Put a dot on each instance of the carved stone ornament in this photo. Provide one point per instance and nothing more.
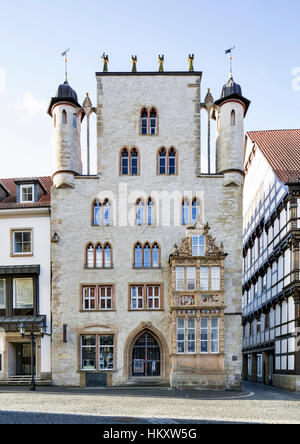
(185, 300)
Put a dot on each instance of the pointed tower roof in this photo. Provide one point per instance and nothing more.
(232, 90)
(64, 94)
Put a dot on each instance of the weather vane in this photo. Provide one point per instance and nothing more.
(65, 55)
(228, 51)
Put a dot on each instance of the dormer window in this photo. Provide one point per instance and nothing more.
(26, 193)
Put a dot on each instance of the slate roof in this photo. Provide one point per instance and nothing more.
(11, 187)
(281, 148)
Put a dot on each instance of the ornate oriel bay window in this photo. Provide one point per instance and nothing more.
(197, 302)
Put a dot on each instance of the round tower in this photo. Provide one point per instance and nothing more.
(231, 110)
(66, 113)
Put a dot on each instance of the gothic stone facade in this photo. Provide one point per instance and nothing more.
(123, 321)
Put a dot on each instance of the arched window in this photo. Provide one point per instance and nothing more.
(144, 121)
(97, 213)
(172, 161)
(147, 256)
(185, 212)
(162, 161)
(140, 212)
(155, 255)
(138, 256)
(134, 162)
(64, 117)
(153, 121)
(195, 210)
(107, 256)
(90, 256)
(106, 212)
(124, 162)
(232, 118)
(99, 256)
(150, 212)
(74, 120)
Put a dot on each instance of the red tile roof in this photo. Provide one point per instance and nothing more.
(281, 148)
(11, 200)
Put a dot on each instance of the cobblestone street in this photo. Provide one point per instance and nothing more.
(54, 405)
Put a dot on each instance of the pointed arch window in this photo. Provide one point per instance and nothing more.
(153, 121)
(155, 255)
(64, 117)
(195, 210)
(185, 212)
(147, 256)
(138, 256)
(97, 213)
(172, 161)
(134, 162)
(90, 256)
(144, 121)
(107, 212)
(162, 159)
(124, 162)
(232, 118)
(99, 256)
(74, 120)
(140, 212)
(150, 212)
(107, 256)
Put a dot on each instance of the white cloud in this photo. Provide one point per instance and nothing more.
(2, 79)
(30, 105)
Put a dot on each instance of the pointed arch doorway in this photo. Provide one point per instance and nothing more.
(146, 357)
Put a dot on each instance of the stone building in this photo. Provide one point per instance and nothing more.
(271, 282)
(147, 266)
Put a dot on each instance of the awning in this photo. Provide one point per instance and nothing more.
(11, 323)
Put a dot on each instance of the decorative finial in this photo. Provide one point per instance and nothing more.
(134, 62)
(65, 55)
(228, 51)
(191, 62)
(105, 62)
(161, 60)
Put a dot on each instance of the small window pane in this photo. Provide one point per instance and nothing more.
(23, 293)
(2, 294)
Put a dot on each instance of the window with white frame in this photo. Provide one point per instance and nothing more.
(97, 297)
(215, 278)
(22, 293)
(137, 297)
(191, 331)
(106, 352)
(203, 278)
(89, 298)
(26, 193)
(21, 242)
(153, 296)
(180, 278)
(105, 298)
(88, 352)
(180, 335)
(2, 294)
(198, 245)
(214, 335)
(191, 278)
(203, 334)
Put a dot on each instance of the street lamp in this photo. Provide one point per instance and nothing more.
(42, 330)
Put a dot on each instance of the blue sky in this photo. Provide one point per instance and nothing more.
(34, 33)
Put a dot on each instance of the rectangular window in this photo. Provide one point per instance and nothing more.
(137, 297)
(106, 352)
(191, 278)
(191, 346)
(89, 298)
(21, 242)
(180, 278)
(26, 193)
(180, 335)
(153, 297)
(214, 335)
(203, 278)
(2, 294)
(203, 335)
(198, 245)
(259, 366)
(88, 352)
(23, 293)
(215, 278)
(105, 298)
